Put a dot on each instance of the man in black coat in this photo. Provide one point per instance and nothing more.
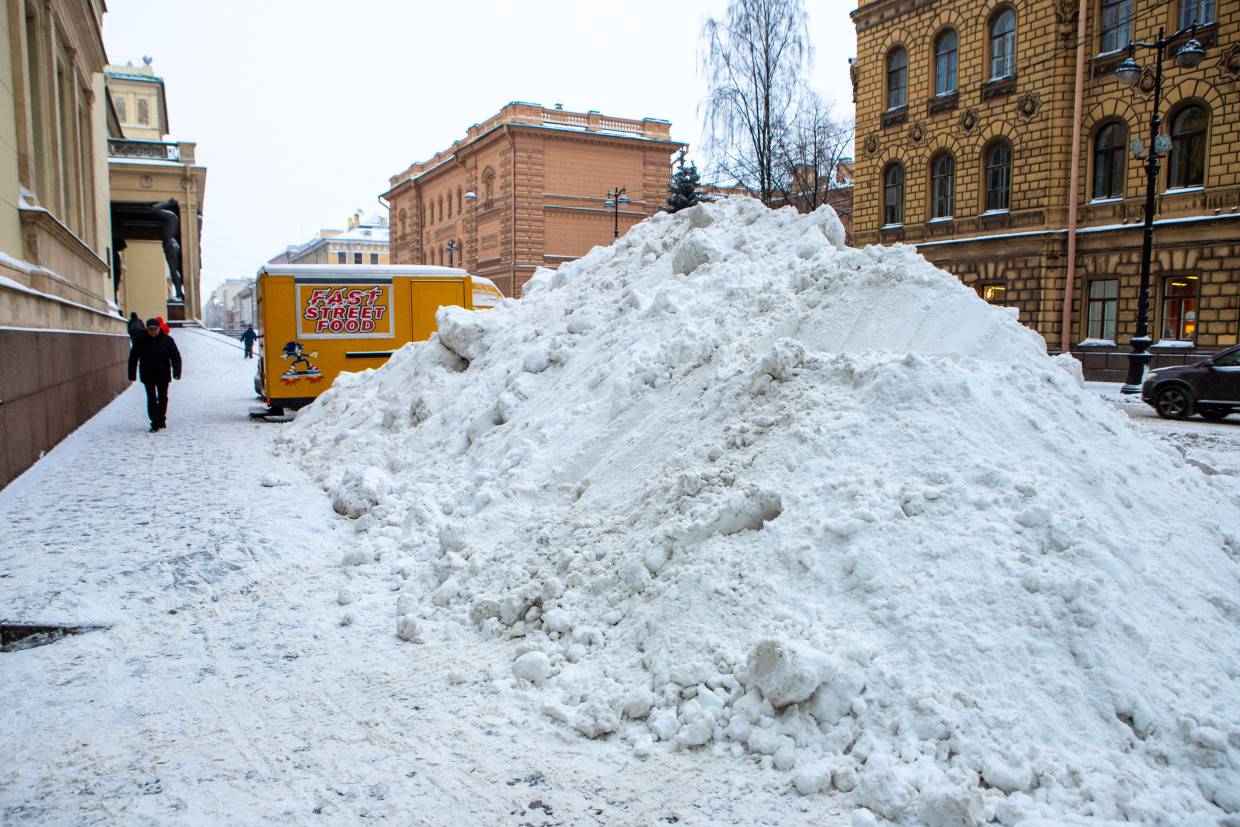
(157, 361)
(136, 329)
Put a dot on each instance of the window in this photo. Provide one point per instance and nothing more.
(144, 111)
(1188, 148)
(357, 258)
(1200, 12)
(1116, 30)
(999, 177)
(945, 63)
(1003, 45)
(374, 258)
(38, 92)
(1103, 301)
(120, 108)
(341, 258)
(449, 205)
(993, 292)
(897, 78)
(893, 195)
(943, 185)
(1179, 319)
(1109, 148)
(460, 201)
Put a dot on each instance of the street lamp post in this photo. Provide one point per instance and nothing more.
(1189, 56)
(453, 246)
(615, 198)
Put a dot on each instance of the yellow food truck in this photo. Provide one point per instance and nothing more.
(318, 320)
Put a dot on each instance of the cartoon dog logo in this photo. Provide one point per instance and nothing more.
(301, 367)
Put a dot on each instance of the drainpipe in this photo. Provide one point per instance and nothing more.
(1069, 287)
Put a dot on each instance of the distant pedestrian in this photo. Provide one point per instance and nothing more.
(247, 339)
(136, 329)
(157, 361)
(163, 325)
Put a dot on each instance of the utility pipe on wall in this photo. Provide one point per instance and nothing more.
(1069, 287)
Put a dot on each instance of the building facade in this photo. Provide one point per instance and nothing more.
(62, 342)
(223, 306)
(968, 129)
(526, 189)
(364, 241)
(157, 198)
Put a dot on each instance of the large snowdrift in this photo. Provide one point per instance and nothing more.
(730, 485)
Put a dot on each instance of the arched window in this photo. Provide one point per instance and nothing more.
(1200, 12)
(945, 62)
(1109, 149)
(1003, 45)
(943, 185)
(897, 78)
(1116, 31)
(999, 176)
(1187, 167)
(893, 194)
(460, 202)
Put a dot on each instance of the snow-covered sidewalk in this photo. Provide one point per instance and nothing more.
(231, 686)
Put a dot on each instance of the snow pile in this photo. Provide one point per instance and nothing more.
(729, 485)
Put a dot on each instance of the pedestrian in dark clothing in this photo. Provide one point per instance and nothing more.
(247, 339)
(156, 360)
(136, 329)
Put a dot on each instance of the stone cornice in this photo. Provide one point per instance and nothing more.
(879, 12)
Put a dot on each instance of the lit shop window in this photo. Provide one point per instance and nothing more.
(995, 292)
(1180, 308)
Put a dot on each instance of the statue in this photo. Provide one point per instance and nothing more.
(170, 233)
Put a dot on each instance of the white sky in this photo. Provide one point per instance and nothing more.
(302, 109)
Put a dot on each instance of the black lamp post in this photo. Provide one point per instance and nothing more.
(453, 246)
(1189, 56)
(615, 198)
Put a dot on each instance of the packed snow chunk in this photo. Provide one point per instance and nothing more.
(534, 667)
(785, 672)
(813, 778)
(360, 489)
(407, 628)
(466, 333)
(731, 486)
(595, 719)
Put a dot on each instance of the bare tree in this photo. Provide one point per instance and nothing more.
(811, 155)
(754, 60)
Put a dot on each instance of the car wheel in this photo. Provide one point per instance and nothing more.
(1174, 402)
(1214, 415)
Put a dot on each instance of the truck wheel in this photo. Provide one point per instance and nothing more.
(1174, 403)
(1214, 414)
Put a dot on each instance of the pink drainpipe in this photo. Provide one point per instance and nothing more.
(1069, 287)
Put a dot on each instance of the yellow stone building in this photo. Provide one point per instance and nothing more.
(156, 187)
(62, 343)
(364, 241)
(971, 116)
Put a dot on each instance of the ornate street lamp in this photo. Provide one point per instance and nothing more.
(453, 246)
(615, 198)
(1128, 72)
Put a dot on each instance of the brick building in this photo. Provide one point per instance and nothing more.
(525, 189)
(965, 113)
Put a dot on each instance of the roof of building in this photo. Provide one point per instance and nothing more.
(536, 116)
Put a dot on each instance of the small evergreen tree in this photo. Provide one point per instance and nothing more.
(683, 191)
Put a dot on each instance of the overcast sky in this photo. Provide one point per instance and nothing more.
(302, 109)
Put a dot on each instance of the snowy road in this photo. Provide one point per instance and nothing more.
(227, 689)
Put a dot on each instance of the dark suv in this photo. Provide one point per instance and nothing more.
(1210, 387)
